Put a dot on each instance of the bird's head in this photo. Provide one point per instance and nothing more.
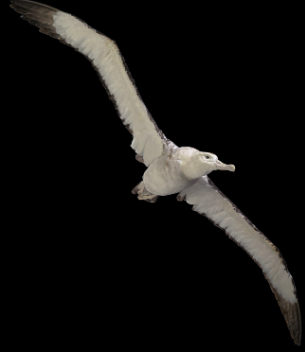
(197, 164)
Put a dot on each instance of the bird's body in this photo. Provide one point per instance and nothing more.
(165, 175)
(170, 169)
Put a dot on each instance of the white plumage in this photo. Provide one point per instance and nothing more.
(106, 58)
(207, 200)
(170, 169)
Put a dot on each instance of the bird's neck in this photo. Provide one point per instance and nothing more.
(190, 169)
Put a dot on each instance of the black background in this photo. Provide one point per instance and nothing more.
(222, 80)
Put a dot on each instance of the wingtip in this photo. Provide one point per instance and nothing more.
(12, 5)
(297, 341)
(297, 337)
(16, 1)
(293, 319)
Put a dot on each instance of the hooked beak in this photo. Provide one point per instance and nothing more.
(222, 166)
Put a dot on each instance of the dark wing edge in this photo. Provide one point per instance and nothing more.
(291, 312)
(41, 16)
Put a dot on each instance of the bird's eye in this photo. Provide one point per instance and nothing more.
(207, 157)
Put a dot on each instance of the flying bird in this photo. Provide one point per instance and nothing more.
(170, 169)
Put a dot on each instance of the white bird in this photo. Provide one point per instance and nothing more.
(170, 169)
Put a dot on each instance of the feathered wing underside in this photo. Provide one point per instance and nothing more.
(148, 139)
(207, 200)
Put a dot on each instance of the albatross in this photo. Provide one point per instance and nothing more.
(170, 169)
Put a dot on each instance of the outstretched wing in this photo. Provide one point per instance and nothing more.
(208, 200)
(148, 139)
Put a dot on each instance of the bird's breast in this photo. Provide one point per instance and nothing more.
(164, 176)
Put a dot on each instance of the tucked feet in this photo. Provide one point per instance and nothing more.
(143, 194)
(139, 188)
(151, 198)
